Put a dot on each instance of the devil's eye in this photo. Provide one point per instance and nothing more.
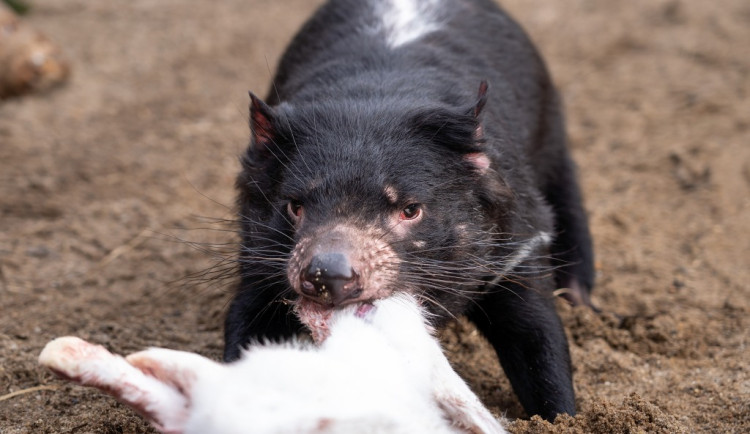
(411, 212)
(294, 208)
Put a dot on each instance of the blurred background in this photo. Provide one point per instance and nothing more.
(118, 152)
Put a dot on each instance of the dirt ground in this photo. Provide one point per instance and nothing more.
(103, 181)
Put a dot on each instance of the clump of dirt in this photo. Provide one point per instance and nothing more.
(634, 414)
(28, 60)
(104, 181)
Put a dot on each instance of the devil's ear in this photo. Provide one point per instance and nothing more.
(262, 119)
(478, 107)
(461, 131)
(481, 98)
(445, 128)
(479, 159)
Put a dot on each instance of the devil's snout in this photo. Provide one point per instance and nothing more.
(330, 278)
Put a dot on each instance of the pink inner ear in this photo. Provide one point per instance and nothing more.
(481, 98)
(262, 129)
(260, 122)
(479, 160)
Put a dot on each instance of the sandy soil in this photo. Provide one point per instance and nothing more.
(102, 181)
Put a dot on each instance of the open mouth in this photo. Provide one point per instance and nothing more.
(317, 317)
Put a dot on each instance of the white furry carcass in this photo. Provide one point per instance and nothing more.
(380, 370)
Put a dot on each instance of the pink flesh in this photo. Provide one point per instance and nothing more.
(315, 317)
(364, 309)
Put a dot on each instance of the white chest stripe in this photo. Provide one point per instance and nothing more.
(525, 250)
(407, 20)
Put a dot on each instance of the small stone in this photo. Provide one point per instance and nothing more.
(38, 251)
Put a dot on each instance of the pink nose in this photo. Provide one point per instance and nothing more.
(330, 279)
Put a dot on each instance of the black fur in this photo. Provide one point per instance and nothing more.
(348, 115)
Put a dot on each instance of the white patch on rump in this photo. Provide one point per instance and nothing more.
(407, 20)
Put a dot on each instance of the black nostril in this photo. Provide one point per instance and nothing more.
(330, 278)
(329, 266)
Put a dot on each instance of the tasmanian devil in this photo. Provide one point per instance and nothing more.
(419, 146)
